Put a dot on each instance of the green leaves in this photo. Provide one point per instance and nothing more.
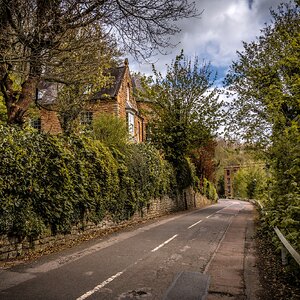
(185, 106)
(56, 182)
(185, 112)
(266, 80)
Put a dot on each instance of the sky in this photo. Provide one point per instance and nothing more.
(217, 34)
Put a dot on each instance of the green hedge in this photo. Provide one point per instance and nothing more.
(54, 182)
(209, 190)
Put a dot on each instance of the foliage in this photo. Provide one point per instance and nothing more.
(283, 207)
(152, 176)
(209, 190)
(55, 182)
(185, 107)
(250, 182)
(266, 78)
(184, 111)
(3, 111)
(111, 131)
(203, 159)
(231, 154)
(38, 35)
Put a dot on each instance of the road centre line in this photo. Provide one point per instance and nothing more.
(107, 281)
(100, 286)
(195, 224)
(164, 243)
(218, 211)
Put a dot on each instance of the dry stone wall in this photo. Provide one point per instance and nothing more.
(12, 247)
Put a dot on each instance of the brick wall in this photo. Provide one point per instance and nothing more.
(11, 247)
(50, 122)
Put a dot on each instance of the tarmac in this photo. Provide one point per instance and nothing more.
(233, 271)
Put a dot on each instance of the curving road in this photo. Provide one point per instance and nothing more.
(142, 263)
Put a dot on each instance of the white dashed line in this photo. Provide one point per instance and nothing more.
(98, 287)
(166, 242)
(195, 224)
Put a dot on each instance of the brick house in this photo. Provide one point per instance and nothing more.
(229, 173)
(117, 99)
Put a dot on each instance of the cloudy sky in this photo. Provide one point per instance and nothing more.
(218, 33)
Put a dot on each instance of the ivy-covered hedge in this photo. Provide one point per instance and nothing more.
(209, 190)
(54, 182)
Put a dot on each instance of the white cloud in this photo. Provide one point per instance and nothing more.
(218, 34)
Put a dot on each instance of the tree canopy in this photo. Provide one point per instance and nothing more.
(185, 112)
(34, 33)
(185, 106)
(266, 80)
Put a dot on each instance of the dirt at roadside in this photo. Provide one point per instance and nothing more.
(278, 282)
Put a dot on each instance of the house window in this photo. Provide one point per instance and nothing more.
(40, 94)
(86, 118)
(36, 124)
(228, 172)
(130, 123)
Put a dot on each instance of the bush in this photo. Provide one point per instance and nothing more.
(111, 131)
(209, 190)
(55, 182)
(50, 181)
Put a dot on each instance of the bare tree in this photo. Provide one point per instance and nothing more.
(33, 32)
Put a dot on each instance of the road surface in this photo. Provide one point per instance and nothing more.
(142, 263)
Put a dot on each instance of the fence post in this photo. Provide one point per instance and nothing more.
(284, 260)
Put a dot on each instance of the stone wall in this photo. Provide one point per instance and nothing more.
(12, 247)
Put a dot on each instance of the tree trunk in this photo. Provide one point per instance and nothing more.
(17, 109)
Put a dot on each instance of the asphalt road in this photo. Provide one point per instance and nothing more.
(137, 264)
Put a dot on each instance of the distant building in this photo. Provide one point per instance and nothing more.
(229, 173)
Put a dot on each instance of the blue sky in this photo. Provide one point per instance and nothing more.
(217, 35)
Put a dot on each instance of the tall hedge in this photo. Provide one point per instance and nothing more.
(50, 183)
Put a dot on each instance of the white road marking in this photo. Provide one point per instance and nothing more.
(195, 224)
(164, 243)
(218, 211)
(98, 287)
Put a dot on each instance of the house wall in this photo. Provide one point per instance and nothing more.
(117, 106)
(103, 106)
(50, 122)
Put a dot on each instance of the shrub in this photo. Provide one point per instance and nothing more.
(55, 182)
(209, 190)
(51, 181)
(111, 131)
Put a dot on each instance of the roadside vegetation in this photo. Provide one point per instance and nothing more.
(50, 183)
(55, 182)
(264, 83)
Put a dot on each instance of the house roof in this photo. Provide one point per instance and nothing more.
(111, 91)
(48, 91)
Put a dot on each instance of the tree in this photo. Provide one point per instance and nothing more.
(266, 80)
(79, 74)
(185, 112)
(203, 159)
(185, 107)
(31, 32)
